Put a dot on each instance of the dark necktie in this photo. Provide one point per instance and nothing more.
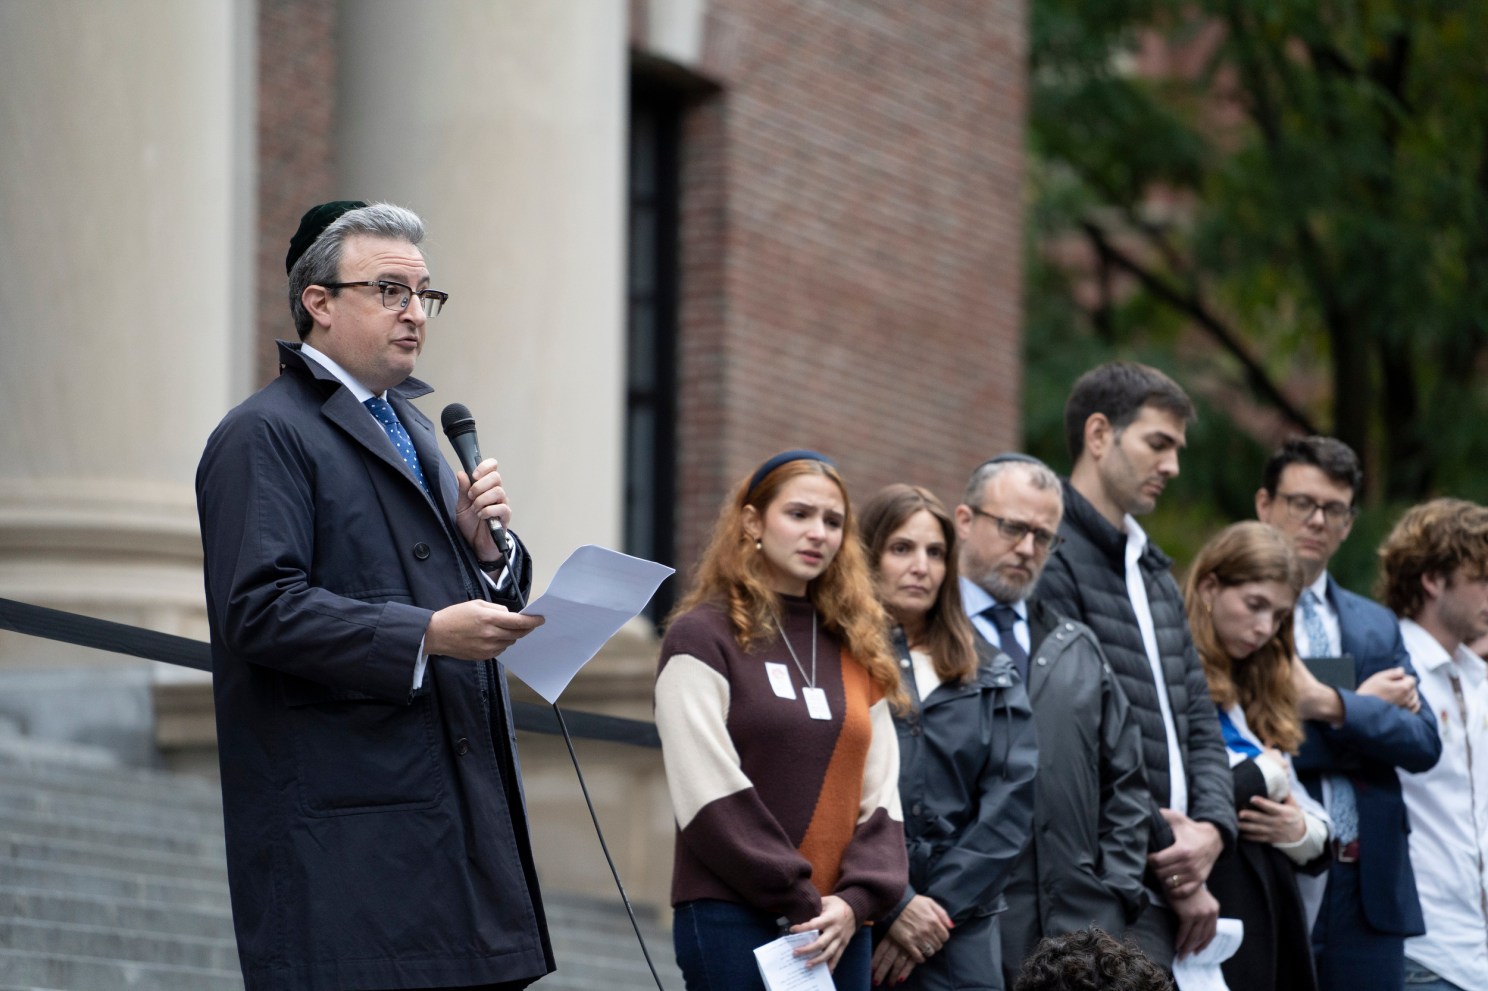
(382, 411)
(1005, 618)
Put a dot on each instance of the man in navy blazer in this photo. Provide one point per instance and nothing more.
(375, 825)
(1357, 735)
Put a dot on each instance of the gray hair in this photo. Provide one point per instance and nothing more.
(1040, 474)
(321, 262)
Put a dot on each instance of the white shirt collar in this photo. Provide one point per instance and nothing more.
(1136, 538)
(324, 360)
(1427, 652)
(1319, 587)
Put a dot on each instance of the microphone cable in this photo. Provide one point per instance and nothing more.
(593, 816)
(605, 847)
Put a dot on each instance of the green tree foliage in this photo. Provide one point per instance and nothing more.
(1283, 203)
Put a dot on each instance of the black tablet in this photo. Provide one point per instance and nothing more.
(1335, 672)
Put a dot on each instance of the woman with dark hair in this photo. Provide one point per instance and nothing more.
(772, 702)
(1240, 593)
(967, 756)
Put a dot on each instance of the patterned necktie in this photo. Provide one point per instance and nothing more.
(382, 411)
(1005, 618)
(1312, 625)
(1342, 806)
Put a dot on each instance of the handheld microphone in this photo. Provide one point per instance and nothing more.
(459, 427)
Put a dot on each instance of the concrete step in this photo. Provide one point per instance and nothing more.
(110, 832)
(36, 799)
(130, 784)
(596, 949)
(41, 905)
(107, 882)
(26, 969)
(73, 853)
(71, 939)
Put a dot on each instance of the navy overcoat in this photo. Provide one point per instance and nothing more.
(376, 835)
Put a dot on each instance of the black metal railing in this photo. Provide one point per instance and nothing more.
(120, 638)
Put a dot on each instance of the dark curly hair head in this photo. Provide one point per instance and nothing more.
(1089, 960)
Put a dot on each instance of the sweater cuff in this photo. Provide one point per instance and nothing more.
(857, 899)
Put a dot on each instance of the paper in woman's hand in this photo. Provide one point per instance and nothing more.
(784, 971)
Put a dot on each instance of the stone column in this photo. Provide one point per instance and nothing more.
(125, 201)
(502, 124)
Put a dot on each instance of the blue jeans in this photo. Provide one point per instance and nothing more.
(715, 943)
(1418, 978)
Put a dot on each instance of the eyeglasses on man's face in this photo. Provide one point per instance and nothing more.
(397, 296)
(1299, 509)
(1013, 531)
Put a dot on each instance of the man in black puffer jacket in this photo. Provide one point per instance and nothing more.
(1125, 424)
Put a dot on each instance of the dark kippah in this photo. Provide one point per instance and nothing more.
(783, 457)
(313, 224)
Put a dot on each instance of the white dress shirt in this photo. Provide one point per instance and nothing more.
(1448, 808)
(1136, 590)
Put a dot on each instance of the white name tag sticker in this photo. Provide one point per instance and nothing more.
(816, 703)
(780, 680)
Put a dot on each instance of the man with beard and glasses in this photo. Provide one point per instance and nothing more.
(1084, 861)
(1125, 424)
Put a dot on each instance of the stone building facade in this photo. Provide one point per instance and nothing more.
(678, 235)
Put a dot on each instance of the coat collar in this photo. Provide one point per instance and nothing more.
(994, 671)
(1081, 517)
(343, 408)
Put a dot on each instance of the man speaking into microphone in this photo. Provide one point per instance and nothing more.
(376, 830)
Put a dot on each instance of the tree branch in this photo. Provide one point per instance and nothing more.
(1193, 307)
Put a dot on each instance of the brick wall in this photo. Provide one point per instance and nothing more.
(851, 243)
(296, 101)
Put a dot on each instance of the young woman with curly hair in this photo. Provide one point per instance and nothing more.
(773, 699)
(1239, 594)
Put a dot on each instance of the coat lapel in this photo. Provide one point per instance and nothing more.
(1348, 629)
(343, 410)
(426, 444)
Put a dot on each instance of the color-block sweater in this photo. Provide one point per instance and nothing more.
(775, 808)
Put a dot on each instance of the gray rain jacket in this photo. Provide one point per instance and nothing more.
(1085, 859)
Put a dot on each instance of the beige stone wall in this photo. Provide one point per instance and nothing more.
(125, 216)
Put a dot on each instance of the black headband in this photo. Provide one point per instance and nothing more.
(784, 457)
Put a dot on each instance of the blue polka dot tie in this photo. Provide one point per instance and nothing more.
(382, 412)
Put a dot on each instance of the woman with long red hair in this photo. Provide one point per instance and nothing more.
(773, 699)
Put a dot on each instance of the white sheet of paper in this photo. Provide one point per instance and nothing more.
(1200, 971)
(784, 971)
(595, 592)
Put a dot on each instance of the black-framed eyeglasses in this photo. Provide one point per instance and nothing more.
(1013, 532)
(395, 295)
(1300, 508)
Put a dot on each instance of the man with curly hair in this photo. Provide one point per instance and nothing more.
(1434, 576)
